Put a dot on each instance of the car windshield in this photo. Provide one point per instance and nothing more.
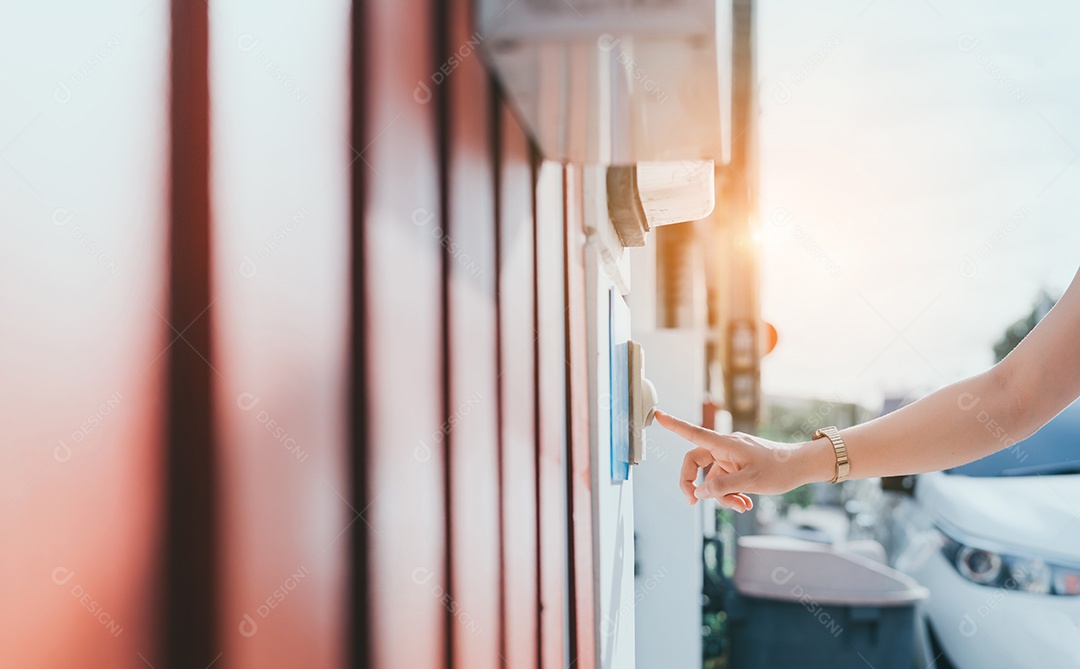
(1054, 449)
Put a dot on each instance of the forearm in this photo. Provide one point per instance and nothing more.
(972, 418)
(953, 426)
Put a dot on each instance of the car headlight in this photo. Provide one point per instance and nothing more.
(978, 565)
(1011, 572)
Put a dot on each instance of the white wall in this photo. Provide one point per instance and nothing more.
(669, 531)
(613, 508)
(652, 619)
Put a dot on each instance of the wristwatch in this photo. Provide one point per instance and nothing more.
(843, 465)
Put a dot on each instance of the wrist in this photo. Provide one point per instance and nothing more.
(817, 461)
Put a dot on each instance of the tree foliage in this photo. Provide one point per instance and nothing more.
(1016, 332)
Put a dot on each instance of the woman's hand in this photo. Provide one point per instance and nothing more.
(736, 464)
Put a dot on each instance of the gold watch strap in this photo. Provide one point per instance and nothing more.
(843, 465)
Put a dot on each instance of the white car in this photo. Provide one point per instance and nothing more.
(997, 542)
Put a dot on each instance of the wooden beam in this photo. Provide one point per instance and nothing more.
(190, 574)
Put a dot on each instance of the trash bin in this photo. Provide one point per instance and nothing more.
(807, 605)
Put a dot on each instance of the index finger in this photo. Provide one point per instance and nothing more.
(687, 431)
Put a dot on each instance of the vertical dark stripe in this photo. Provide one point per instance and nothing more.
(359, 641)
(495, 97)
(190, 620)
(535, 164)
(440, 31)
(571, 571)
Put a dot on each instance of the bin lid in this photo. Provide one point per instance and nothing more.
(776, 567)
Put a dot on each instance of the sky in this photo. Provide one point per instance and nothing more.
(920, 184)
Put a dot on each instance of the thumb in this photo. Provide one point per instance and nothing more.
(725, 484)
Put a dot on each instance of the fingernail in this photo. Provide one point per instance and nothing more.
(701, 493)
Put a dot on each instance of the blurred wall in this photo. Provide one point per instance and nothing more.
(83, 152)
(281, 157)
(393, 334)
(466, 438)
